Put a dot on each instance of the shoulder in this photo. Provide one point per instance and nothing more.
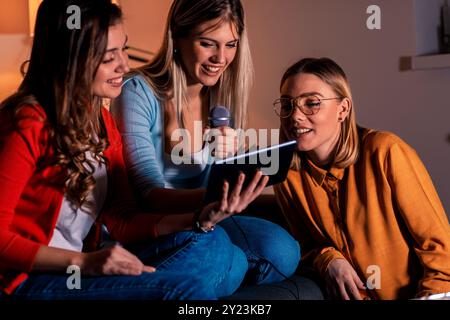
(25, 127)
(137, 98)
(30, 111)
(28, 116)
(386, 149)
(138, 84)
(380, 141)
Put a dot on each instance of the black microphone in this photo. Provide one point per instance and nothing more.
(219, 116)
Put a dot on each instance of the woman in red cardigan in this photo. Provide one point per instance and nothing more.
(62, 172)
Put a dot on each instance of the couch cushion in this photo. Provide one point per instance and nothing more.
(294, 288)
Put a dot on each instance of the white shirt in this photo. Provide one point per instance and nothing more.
(74, 225)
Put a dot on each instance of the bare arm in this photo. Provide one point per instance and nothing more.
(175, 223)
(108, 261)
(55, 259)
(231, 203)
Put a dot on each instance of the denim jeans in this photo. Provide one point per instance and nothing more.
(147, 286)
(191, 266)
(210, 255)
(260, 250)
(200, 266)
(272, 253)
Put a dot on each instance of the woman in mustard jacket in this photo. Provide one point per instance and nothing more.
(360, 201)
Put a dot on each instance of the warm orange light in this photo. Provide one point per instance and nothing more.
(33, 6)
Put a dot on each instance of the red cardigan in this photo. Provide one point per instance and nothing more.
(30, 198)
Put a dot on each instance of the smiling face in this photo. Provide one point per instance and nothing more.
(316, 134)
(109, 77)
(208, 51)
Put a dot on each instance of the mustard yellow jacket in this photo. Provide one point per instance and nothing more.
(382, 214)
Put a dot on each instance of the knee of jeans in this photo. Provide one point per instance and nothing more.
(240, 261)
(221, 251)
(200, 288)
(228, 263)
(238, 268)
(282, 250)
(218, 241)
(226, 251)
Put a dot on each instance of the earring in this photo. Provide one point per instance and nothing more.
(175, 50)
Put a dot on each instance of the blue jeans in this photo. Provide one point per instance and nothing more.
(260, 250)
(211, 256)
(191, 266)
(272, 253)
(147, 286)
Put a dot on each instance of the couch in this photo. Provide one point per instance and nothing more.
(303, 285)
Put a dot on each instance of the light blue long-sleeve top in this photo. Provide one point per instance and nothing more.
(140, 118)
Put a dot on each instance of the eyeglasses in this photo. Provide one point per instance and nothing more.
(309, 105)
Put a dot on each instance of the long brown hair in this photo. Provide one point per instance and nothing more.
(165, 73)
(60, 76)
(331, 73)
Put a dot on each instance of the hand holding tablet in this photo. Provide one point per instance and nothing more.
(273, 161)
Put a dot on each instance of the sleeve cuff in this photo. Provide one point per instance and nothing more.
(324, 258)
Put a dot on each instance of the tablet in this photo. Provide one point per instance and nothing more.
(273, 161)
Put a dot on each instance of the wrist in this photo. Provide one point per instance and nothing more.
(78, 260)
(200, 225)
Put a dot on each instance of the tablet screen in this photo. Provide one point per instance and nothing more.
(274, 161)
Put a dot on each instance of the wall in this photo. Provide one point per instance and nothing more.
(144, 19)
(413, 104)
(18, 51)
(12, 17)
(15, 43)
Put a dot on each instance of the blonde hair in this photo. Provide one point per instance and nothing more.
(165, 73)
(347, 148)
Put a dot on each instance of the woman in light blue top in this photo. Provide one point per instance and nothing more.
(204, 61)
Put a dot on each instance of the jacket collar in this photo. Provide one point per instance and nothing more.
(319, 174)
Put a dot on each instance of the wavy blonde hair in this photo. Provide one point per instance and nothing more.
(347, 147)
(166, 76)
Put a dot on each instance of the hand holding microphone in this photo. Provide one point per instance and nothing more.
(219, 116)
(225, 137)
